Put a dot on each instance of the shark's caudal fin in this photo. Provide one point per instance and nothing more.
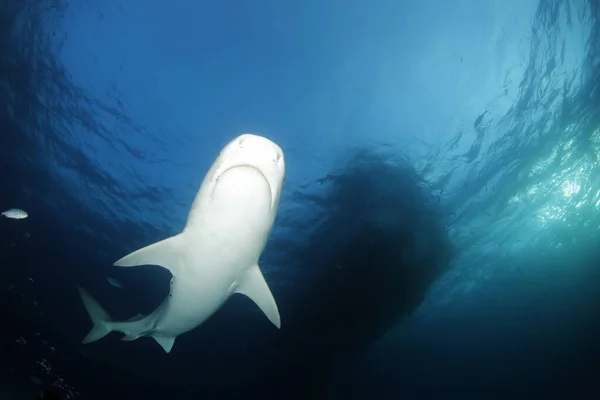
(166, 253)
(100, 318)
(253, 285)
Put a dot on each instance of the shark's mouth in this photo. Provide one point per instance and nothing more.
(272, 192)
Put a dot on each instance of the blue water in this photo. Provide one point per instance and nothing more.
(438, 234)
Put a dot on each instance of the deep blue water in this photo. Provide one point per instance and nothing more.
(439, 231)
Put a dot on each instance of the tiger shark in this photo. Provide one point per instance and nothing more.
(216, 255)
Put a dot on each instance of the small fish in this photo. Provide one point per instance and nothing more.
(15, 213)
(114, 282)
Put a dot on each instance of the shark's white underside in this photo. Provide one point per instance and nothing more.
(216, 254)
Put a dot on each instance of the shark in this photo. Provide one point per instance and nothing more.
(216, 254)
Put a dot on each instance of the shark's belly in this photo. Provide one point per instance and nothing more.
(225, 239)
(191, 302)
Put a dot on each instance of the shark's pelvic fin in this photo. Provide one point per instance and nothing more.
(166, 342)
(166, 253)
(253, 285)
(100, 318)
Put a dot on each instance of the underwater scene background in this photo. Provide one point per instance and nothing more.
(438, 235)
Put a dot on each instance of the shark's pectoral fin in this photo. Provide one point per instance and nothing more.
(166, 342)
(253, 285)
(166, 253)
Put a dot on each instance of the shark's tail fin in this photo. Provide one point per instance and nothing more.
(100, 318)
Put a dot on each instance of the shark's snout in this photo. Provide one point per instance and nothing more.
(259, 153)
(258, 145)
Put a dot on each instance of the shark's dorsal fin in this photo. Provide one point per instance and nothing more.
(136, 317)
(253, 285)
(166, 253)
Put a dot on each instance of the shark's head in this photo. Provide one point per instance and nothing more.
(256, 152)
